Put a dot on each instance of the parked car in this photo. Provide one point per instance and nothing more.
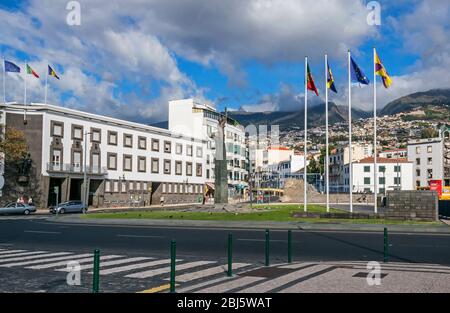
(69, 207)
(17, 208)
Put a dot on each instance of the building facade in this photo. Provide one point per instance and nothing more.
(126, 163)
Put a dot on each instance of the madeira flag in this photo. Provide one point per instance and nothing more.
(330, 80)
(51, 72)
(310, 82)
(381, 71)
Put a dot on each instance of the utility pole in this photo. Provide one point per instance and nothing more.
(86, 189)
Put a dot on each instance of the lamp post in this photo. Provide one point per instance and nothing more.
(86, 190)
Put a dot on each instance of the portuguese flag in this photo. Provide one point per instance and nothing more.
(310, 83)
(31, 71)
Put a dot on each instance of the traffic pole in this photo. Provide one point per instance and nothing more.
(230, 255)
(96, 277)
(173, 248)
(289, 246)
(386, 246)
(267, 247)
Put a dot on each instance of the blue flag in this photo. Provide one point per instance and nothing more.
(358, 75)
(11, 67)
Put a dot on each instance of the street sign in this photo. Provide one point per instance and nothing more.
(56, 189)
(2, 181)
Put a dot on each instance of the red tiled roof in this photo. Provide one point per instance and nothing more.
(384, 160)
(279, 148)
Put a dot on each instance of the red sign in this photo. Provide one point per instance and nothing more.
(436, 185)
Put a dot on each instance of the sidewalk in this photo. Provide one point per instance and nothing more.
(444, 229)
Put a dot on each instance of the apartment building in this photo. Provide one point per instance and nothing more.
(124, 161)
(200, 120)
(394, 154)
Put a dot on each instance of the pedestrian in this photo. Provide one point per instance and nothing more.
(22, 200)
(30, 202)
(162, 200)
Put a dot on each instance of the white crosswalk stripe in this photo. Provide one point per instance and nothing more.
(164, 270)
(33, 257)
(133, 267)
(45, 260)
(21, 254)
(109, 263)
(240, 282)
(79, 260)
(10, 251)
(208, 272)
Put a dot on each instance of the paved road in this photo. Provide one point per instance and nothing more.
(44, 242)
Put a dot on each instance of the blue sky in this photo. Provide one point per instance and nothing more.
(128, 60)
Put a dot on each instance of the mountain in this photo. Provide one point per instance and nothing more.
(435, 97)
(287, 120)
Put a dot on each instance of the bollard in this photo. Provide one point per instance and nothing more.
(289, 246)
(96, 277)
(173, 247)
(267, 247)
(230, 255)
(386, 246)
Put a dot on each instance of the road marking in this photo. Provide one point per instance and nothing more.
(109, 263)
(208, 272)
(11, 251)
(240, 282)
(263, 240)
(205, 283)
(67, 257)
(82, 260)
(157, 289)
(42, 232)
(134, 266)
(139, 236)
(163, 270)
(2, 260)
(21, 254)
(283, 280)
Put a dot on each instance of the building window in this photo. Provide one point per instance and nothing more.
(189, 150)
(96, 135)
(179, 148)
(155, 145)
(123, 187)
(417, 183)
(155, 165)
(167, 166)
(138, 186)
(417, 150)
(175, 188)
(164, 188)
(112, 138)
(198, 169)
(181, 188)
(76, 161)
(130, 186)
(142, 143)
(188, 169)
(112, 161)
(366, 180)
(167, 146)
(128, 140)
(199, 152)
(57, 129)
(116, 186)
(382, 180)
(142, 164)
(366, 169)
(178, 168)
(418, 161)
(77, 132)
(382, 169)
(95, 163)
(382, 190)
(430, 149)
(418, 173)
(169, 189)
(430, 173)
(127, 162)
(397, 180)
(107, 186)
(430, 161)
(207, 174)
(397, 169)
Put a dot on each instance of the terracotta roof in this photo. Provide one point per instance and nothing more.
(394, 150)
(279, 148)
(383, 160)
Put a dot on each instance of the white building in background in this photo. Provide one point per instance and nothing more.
(200, 120)
(393, 174)
(125, 161)
(427, 155)
(394, 154)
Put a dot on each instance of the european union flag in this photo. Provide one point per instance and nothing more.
(358, 75)
(11, 67)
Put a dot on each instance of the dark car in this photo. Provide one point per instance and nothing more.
(69, 207)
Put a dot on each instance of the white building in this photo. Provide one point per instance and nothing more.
(393, 174)
(394, 154)
(199, 120)
(125, 161)
(428, 158)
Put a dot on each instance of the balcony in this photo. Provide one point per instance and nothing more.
(75, 169)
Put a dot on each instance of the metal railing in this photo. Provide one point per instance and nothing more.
(75, 169)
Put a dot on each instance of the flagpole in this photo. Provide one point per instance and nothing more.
(305, 149)
(350, 148)
(25, 94)
(375, 131)
(4, 81)
(46, 83)
(327, 157)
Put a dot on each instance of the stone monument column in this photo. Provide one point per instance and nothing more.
(220, 170)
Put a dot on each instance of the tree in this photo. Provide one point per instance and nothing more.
(429, 133)
(313, 168)
(13, 145)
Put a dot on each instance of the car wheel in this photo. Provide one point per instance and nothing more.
(61, 211)
(84, 211)
(26, 212)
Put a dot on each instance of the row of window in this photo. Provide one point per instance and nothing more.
(429, 161)
(382, 169)
(57, 130)
(429, 173)
(155, 169)
(174, 188)
(382, 180)
(126, 186)
(429, 149)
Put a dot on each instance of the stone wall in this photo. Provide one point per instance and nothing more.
(412, 205)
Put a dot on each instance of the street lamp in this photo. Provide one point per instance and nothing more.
(86, 189)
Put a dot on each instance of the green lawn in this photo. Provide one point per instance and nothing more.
(274, 213)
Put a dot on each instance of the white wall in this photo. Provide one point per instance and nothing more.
(436, 154)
